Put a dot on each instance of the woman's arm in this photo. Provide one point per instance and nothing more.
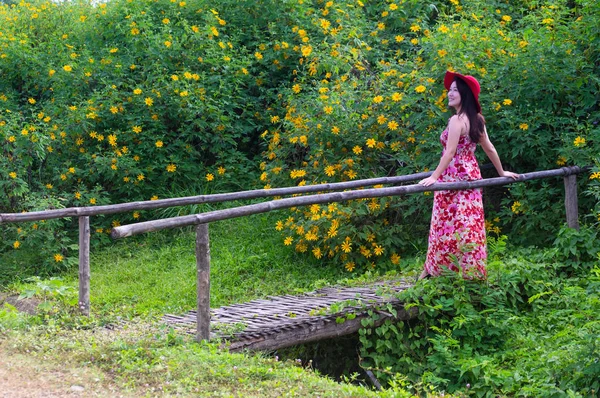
(455, 129)
(491, 152)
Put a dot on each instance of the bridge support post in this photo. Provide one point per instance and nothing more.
(84, 265)
(203, 283)
(571, 201)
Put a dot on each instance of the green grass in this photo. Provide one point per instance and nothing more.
(157, 272)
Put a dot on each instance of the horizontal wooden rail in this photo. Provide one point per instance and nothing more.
(193, 200)
(195, 219)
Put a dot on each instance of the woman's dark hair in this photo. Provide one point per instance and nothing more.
(468, 106)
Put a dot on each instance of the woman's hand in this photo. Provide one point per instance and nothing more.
(427, 181)
(510, 174)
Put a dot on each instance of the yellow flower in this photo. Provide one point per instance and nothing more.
(393, 6)
(168, 44)
(561, 161)
(221, 170)
(392, 125)
(351, 174)
(166, 21)
(373, 205)
(394, 258)
(420, 89)
(507, 102)
(523, 126)
(113, 50)
(149, 101)
(135, 31)
(154, 197)
(171, 168)
(378, 99)
(399, 38)
(357, 150)
(371, 142)
(297, 173)
(579, 141)
(516, 207)
(12, 175)
(346, 246)
(67, 68)
(258, 55)
(306, 50)
(350, 266)
(16, 244)
(136, 215)
(296, 88)
(49, 186)
(214, 31)
(279, 225)
(378, 250)
(51, 72)
(288, 241)
(140, 177)
(443, 29)
(396, 97)
(184, 94)
(595, 175)
(328, 110)
(210, 177)
(31, 101)
(317, 252)
(137, 129)
(58, 257)
(330, 170)
(506, 18)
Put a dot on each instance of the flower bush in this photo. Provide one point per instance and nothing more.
(125, 101)
(368, 101)
(138, 100)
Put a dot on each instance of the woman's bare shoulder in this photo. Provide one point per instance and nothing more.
(460, 122)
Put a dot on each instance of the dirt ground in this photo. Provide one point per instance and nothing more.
(23, 376)
(28, 376)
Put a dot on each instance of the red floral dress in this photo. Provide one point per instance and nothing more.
(457, 233)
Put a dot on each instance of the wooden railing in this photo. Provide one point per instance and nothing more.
(201, 220)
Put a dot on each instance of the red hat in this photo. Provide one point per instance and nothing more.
(471, 82)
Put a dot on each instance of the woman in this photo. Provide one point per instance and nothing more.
(457, 233)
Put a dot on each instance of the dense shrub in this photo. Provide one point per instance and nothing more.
(530, 331)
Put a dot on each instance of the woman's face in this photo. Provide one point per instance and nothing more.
(454, 96)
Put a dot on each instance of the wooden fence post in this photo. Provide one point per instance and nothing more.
(84, 265)
(571, 200)
(203, 284)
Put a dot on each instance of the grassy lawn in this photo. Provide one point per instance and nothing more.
(157, 273)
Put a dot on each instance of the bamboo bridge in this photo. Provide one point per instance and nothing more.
(282, 321)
